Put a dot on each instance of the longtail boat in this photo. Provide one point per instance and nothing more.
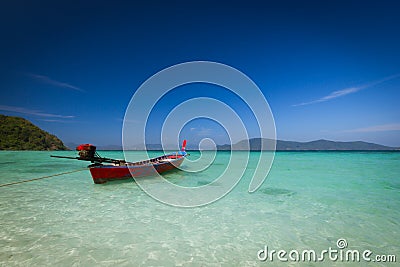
(117, 169)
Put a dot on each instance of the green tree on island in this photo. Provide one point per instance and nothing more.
(20, 134)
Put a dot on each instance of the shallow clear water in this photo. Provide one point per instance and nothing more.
(309, 201)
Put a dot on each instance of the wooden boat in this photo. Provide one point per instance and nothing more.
(120, 169)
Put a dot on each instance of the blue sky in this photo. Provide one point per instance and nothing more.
(329, 69)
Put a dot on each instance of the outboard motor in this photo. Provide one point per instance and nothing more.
(86, 151)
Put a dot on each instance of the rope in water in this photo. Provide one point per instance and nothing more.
(40, 178)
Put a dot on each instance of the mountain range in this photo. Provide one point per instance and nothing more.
(20, 134)
(255, 144)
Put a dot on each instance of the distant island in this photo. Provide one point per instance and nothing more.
(256, 144)
(20, 134)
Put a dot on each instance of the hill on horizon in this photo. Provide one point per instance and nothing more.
(20, 134)
(256, 144)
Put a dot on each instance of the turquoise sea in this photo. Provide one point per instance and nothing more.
(309, 201)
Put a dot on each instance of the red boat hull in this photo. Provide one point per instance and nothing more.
(104, 173)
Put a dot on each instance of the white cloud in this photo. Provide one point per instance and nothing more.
(47, 80)
(204, 131)
(51, 120)
(376, 128)
(347, 91)
(332, 95)
(33, 112)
